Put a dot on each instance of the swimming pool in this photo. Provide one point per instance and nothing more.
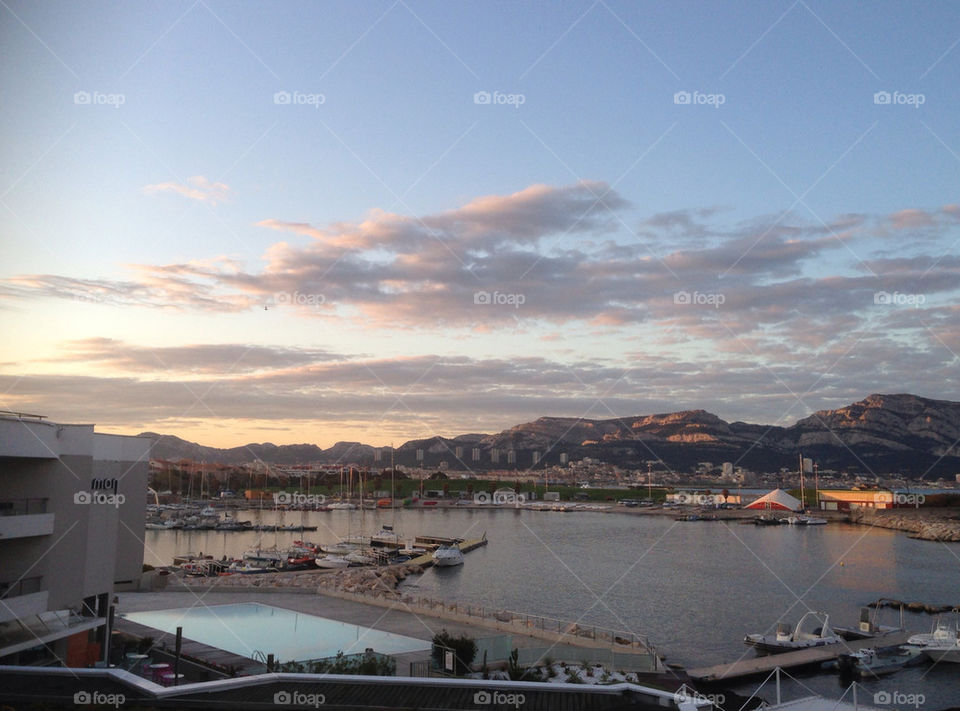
(249, 627)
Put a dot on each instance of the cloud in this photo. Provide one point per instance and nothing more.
(196, 188)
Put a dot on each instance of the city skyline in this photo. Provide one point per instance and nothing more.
(396, 220)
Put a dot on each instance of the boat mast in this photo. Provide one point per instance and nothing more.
(803, 504)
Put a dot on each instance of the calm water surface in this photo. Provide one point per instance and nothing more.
(694, 588)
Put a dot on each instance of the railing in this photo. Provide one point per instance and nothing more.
(24, 586)
(22, 507)
(595, 633)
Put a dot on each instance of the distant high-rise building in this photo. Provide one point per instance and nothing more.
(511, 456)
(563, 458)
(536, 458)
(459, 452)
(495, 456)
(420, 455)
(476, 454)
(376, 455)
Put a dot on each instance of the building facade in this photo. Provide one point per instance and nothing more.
(72, 513)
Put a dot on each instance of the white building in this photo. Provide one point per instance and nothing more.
(72, 512)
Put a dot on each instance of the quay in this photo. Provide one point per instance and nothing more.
(814, 655)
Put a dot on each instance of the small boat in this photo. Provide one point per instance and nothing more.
(940, 635)
(447, 556)
(190, 558)
(342, 506)
(357, 558)
(386, 537)
(332, 561)
(787, 640)
(247, 567)
(766, 521)
(805, 521)
(947, 650)
(873, 662)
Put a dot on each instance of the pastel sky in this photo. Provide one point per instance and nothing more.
(322, 221)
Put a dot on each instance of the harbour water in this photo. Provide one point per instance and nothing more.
(694, 588)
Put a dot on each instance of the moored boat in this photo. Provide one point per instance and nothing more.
(447, 556)
(787, 640)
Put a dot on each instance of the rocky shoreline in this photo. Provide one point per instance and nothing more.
(377, 582)
(922, 524)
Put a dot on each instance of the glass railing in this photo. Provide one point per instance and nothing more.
(24, 586)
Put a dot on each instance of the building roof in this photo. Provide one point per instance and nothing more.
(778, 500)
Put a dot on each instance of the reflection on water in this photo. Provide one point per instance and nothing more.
(695, 588)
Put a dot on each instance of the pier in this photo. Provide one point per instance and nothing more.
(426, 560)
(786, 660)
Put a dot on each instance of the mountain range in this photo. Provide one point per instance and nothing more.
(883, 434)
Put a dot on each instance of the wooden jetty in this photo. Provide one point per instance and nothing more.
(426, 560)
(814, 655)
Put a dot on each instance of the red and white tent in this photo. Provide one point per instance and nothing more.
(776, 500)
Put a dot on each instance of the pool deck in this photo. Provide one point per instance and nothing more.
(397, 619)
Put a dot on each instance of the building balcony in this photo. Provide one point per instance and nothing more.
(22, 518)
(23, 598)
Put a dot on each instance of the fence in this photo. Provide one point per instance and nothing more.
(497, 649)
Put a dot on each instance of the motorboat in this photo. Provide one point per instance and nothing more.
(801, 637)
(873, 662)
(766, 521)
(252, 566)
(869, 626)
(940, 635)
(331, 561)
(447, 556)
(386, 537)
(358, 558)
(943, 651)
(805, 520)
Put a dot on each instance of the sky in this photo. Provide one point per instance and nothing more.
(323, 221)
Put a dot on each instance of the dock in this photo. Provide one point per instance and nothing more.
(814, 655)
(426, 560)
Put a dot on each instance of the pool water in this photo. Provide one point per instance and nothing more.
(250, 627)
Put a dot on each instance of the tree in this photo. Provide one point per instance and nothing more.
(464, 650)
